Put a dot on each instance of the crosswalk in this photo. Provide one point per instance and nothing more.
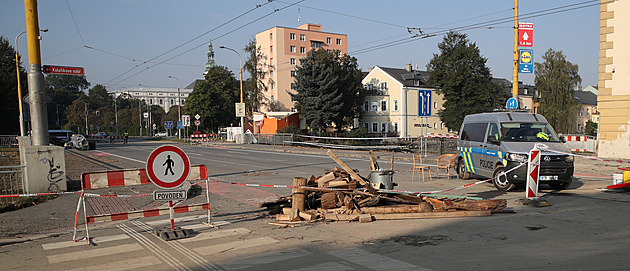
(137, 248)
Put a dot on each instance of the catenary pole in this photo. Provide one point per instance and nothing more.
(36, 89)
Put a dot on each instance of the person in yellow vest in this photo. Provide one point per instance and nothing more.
(126, 137)
(542, 136)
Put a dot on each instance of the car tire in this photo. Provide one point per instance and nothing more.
(500, 181)
(461, 170)
(561, 185)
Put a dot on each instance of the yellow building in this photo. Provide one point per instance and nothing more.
(395, 99)
(283, 48)
(613, 99)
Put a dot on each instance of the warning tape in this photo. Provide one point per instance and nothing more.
(91, 195)
(590, 158)
(283, 186)
(38, 194)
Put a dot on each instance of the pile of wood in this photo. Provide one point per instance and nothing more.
(342, 195)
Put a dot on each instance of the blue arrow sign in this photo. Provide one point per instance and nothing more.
(179, 125)
(511, 104)
(424, 103)
(168, 125)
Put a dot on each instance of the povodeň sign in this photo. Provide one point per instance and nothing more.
(168, 167)
(63, 70)
(169, 195)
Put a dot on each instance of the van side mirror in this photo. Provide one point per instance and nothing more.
(493, 140)
(563, 139)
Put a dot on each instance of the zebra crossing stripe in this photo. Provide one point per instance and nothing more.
(96, 240)
(130, 264)
(214, 249)
(215, 234)
(98, 252)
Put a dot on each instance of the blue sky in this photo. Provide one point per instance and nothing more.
(124, 33)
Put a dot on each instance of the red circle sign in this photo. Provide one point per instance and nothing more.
(197, 122)
(168, 167)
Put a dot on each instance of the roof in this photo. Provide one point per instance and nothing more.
(408, 78)
(586, 97)
(194, 84)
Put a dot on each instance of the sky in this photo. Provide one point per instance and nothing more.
(130, 43)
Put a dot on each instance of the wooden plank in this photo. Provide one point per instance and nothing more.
(349, 170)
(321, 182)
(343, 217)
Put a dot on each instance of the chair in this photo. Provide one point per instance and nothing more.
(417, 165)
(446, 162)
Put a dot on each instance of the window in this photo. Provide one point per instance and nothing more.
(366, 125)
(272, 85)
(171, 101)
(442, 125)
(271, 61)
(383, 86)
(434, 104)
(434, 125)
(369, 86)
(292, 49)
(302, 37)
(271, 49)
(316, 44)
(328, 40)
(303, 50)
(366, 106)
(338, 41)
(395, 109)
(494, 131)
(271, 73)
(160, 101)
(374, 106)
(292, 61)
(384, 127)
(375, 127)
(150, 101)
(292, 73)
(384, 106)
(270, 36)
(293, 86)
(292, 36)
(395, 127)
(473, 132)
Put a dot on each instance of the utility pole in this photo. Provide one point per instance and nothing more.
(515, 55)
(37, 92)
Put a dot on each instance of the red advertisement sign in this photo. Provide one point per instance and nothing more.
(525, 34)
(63, 70)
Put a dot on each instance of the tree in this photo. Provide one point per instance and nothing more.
(213, 99)
(461, 75)
(556, 79)
(64, 90)
(254, 86)
(8, 88)
(328, 89)
(591, 128)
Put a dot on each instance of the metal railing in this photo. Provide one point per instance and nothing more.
(8, 141)
(11, 181)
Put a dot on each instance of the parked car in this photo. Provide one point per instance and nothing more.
(99, 134)
(161, 134)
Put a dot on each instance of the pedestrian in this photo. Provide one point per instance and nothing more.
(126, 137)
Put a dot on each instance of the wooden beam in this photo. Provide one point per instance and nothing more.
(343, 217)
(349, 170)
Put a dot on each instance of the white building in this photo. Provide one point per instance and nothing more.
(164, 97)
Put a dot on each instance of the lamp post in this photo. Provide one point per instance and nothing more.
(19, 87)
(241, 74)
(179, 110)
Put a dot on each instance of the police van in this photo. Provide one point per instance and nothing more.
(490, 144)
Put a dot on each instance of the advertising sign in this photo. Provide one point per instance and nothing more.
(526, 61)
(526, 34)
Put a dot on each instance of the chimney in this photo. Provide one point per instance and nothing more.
(408, 67)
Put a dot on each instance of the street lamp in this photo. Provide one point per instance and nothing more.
(241, 74)
(179, 110)
(19, 87)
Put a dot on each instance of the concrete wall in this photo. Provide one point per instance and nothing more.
(45, 167)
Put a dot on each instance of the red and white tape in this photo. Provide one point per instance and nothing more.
(591, 158)
(441, 135)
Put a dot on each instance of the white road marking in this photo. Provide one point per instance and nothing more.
(173, 262)
(130, 264)
(220, 248)
(374, 261)
(267, 259)
(96, 240)
(215, 234)
(185, 219)
(98, 252)
(120, 156)
(327, 266)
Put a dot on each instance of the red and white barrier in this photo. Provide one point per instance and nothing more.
(147, 213)
(199, 138)
(533, 170)
(126, 177)
(441, 135)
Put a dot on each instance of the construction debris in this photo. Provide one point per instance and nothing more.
(343, 195)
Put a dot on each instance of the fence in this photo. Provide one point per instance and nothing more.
(11, 181)
(581, 143)
(8, 141)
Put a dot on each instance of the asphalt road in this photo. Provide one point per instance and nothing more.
(583, 229)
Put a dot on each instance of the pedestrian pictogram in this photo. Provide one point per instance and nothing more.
(168, 167)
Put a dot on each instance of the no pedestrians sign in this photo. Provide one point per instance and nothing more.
(168, 167)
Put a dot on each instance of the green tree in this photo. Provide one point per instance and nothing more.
(591, 128)
(328, 89)
(254, 86)
(213, 99)
(461, 75)
(556, 79)
(64, 90)
(8, 88)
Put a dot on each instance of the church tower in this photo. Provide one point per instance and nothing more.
(210, 62)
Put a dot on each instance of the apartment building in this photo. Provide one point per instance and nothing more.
(283, 47)
(164, 97)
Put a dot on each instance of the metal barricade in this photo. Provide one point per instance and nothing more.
(11, 181)
(8, 141)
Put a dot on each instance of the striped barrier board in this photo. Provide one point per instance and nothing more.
(147, 213)
(199, 138)
(126, 177)
(441, 135)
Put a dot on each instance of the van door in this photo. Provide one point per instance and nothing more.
(471, 150)
(491, 153)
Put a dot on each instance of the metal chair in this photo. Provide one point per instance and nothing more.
(446, 162)
(417, 165)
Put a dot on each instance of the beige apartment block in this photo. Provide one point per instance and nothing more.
(283, 47)
(392, 103)
(613, 101)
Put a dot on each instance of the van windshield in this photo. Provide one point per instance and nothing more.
(528, 132)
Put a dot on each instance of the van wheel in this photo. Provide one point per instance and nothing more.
(461, 170)
(561, 185)
(500, 181)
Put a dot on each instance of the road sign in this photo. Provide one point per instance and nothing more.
(63, 70)
(168, 125)
(168, 167)
(197, 117)
(512, 103)
(526, 61)
(526, 34)
(424, 103)
(179, 125)
(168, 195)
(186, 120)
(240, 109)
(197, 122)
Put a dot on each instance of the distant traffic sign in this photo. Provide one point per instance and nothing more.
(168, 167)
(526, 34)
(63, 70)
(168, 125)
(526, 61)
(424, 103)
(168, 195)
(240, 109)
(511, 104)
(186, 120)
(197, 122)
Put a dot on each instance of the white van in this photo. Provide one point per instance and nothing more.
(490, 144)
